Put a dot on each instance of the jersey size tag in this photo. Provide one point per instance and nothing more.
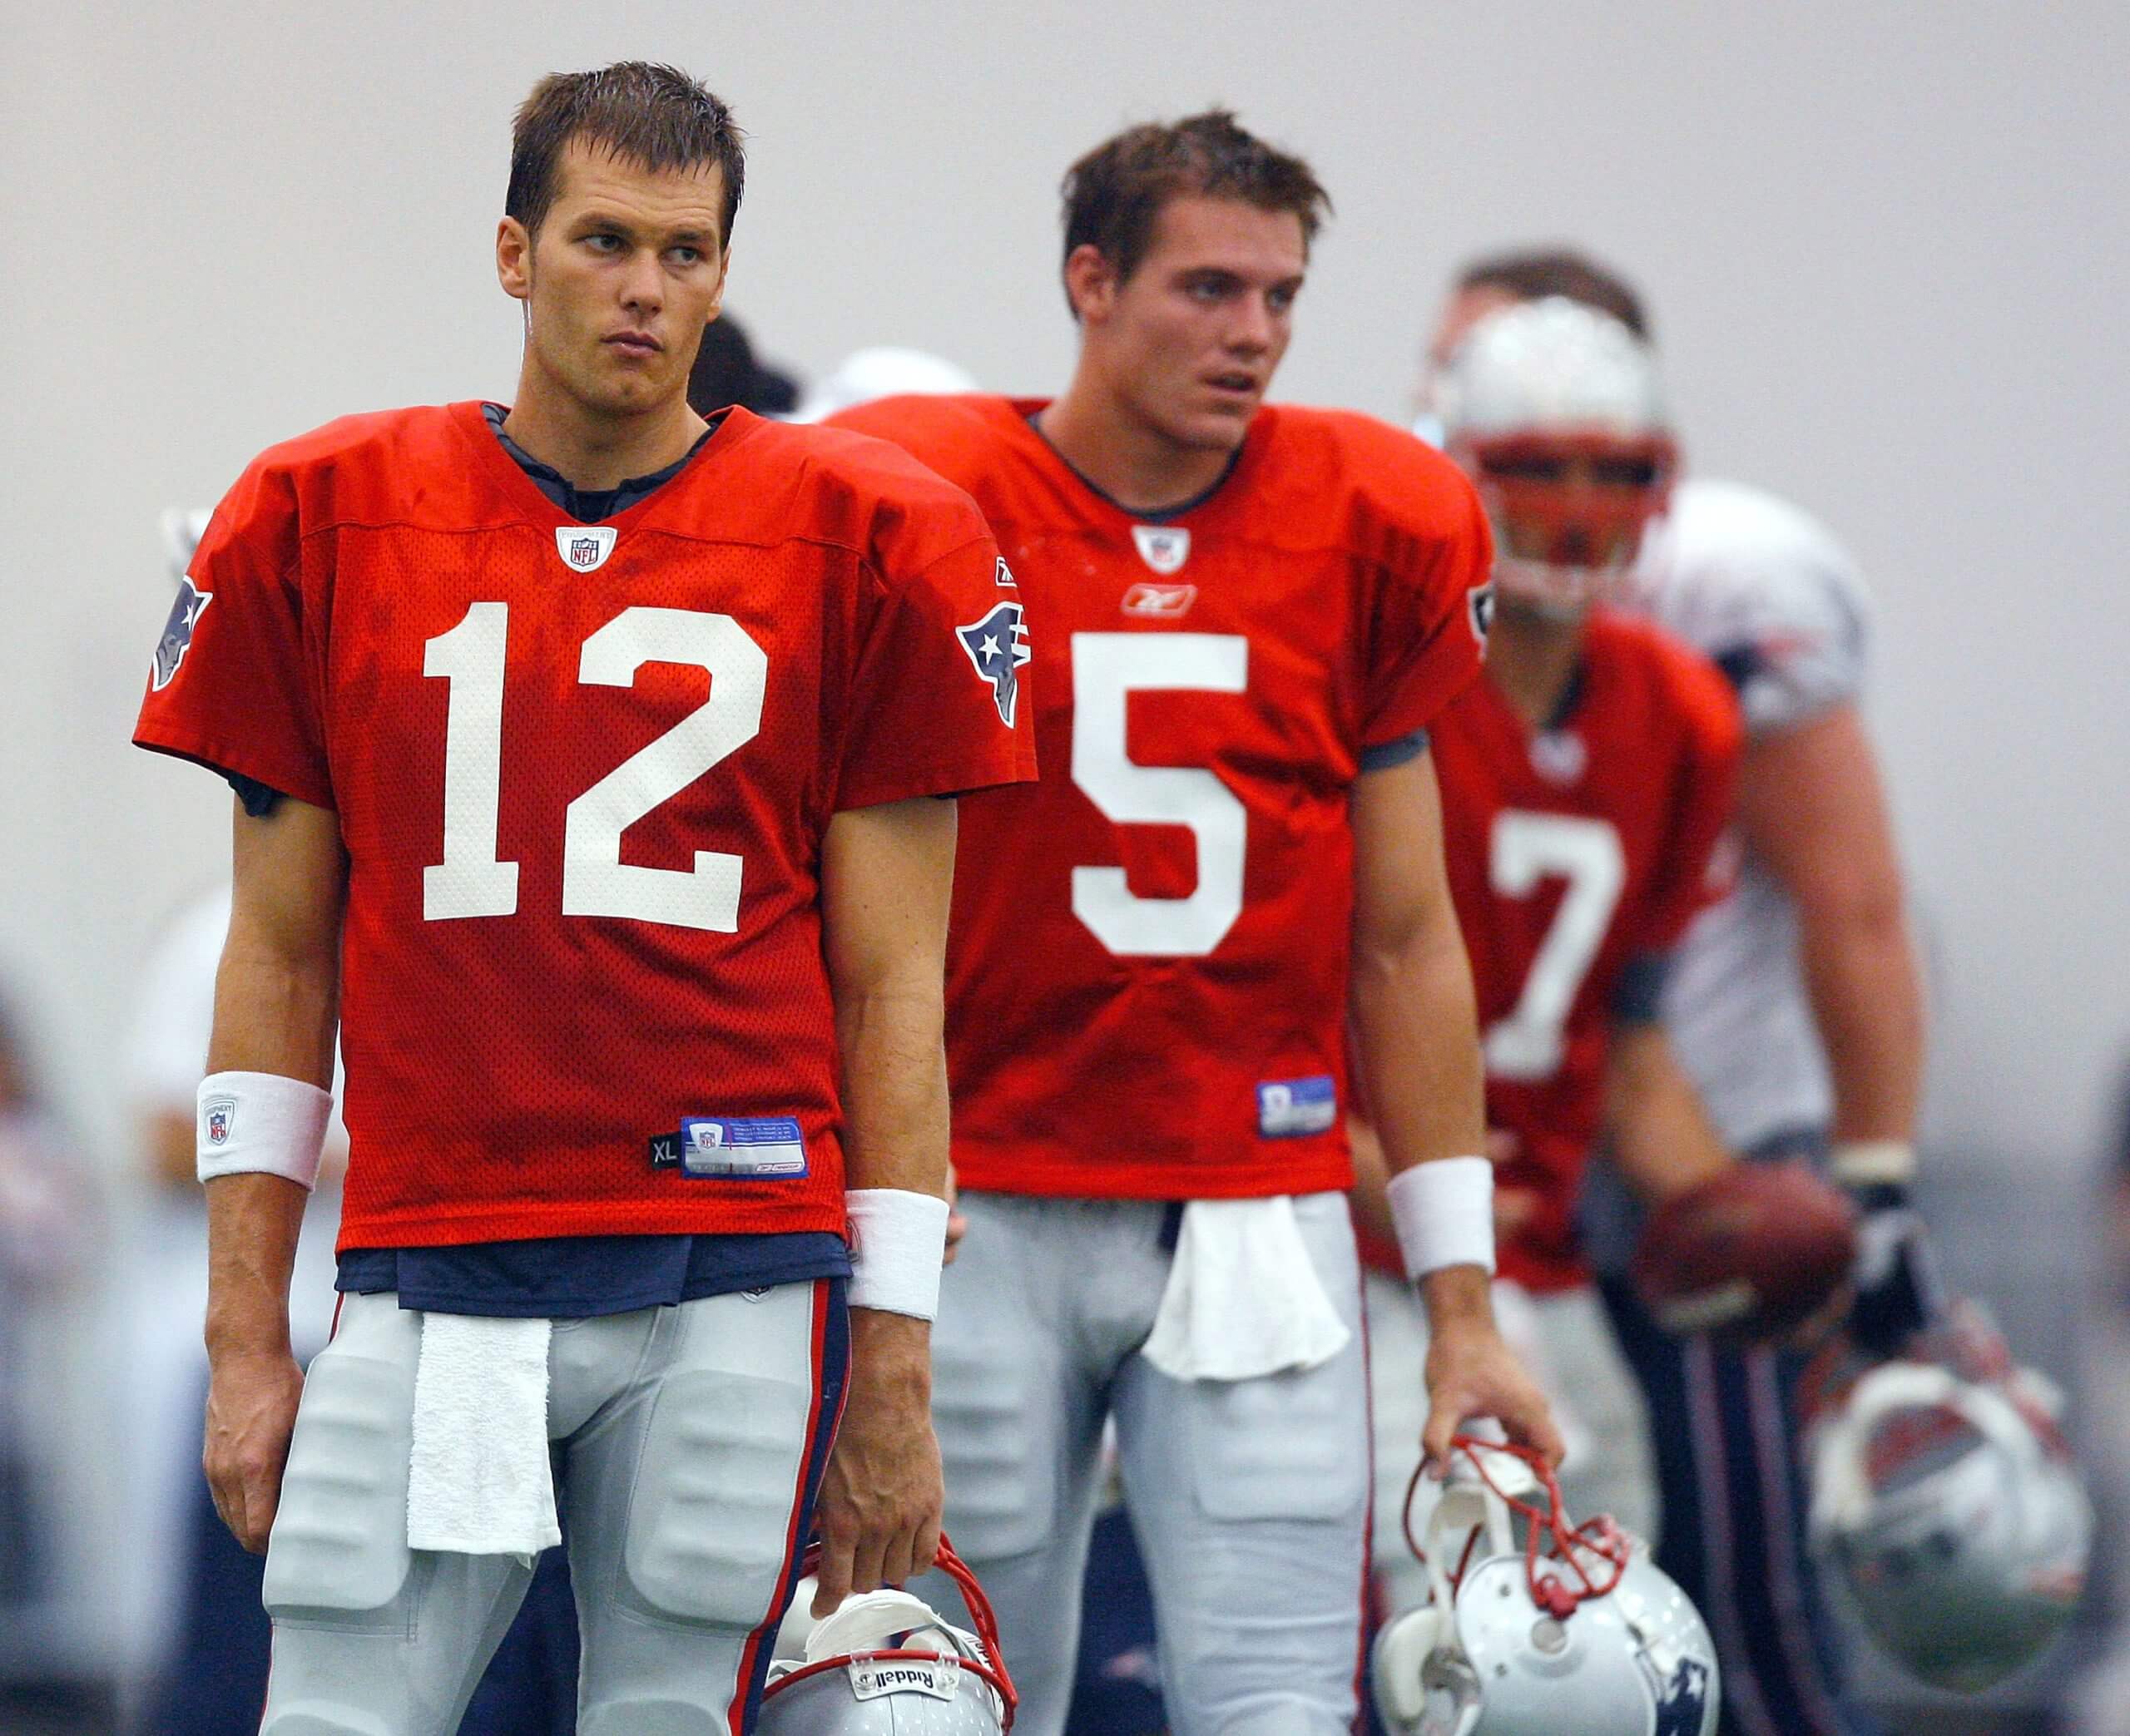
(744, 1147)
(1289, 1108)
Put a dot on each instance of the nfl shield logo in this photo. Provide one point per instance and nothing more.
(1165, 548)
(584, 547)
(218, 1112)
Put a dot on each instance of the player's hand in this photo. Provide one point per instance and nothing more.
(957, 1225)
(251, 1413)
(883, 1493)
(1472, 1372)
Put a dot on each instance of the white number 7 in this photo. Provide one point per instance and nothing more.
(1526, 848)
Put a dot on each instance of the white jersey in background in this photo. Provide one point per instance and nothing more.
(1766, 593)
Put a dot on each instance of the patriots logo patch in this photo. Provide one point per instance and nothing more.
(1682, 1701)
(997, 646)
(177, 632)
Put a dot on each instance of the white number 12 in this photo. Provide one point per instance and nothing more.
(470, 881)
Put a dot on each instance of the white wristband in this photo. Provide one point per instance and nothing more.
(1873, 1163)
(1444, 1213)
(898, 1243)
(260, 1124)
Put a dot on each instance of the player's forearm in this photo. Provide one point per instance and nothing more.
(1415, 1034)
(252, 1224)
(1867, 1000)
(895, 1090)
(275, 1011)
(1660, 1137)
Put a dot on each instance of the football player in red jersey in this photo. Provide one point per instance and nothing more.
(1247, 618)
(1585, 784)
(589, 758)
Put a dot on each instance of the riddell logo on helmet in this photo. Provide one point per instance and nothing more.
(940, 1677)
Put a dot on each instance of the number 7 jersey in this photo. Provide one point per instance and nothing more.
(1147, 970)
(582, 774)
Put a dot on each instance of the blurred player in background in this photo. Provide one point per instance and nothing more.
(1247, 618)
(1585, 783)
(603, 1103)
(727, 372)
(1796, 1008)
(50, 1220)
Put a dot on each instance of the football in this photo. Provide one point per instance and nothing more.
(1747, 1257)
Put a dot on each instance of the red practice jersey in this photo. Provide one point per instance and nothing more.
(1147, 978)
(582, 774)
(1574, 853)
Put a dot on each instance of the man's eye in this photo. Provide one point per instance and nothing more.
(1209, 288)
(603, 242)
(1280, 301)
(687, 255)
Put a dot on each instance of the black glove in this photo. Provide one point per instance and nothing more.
(1898, 1293)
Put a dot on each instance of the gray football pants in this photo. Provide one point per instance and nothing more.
(1250, 1499)
(690, 1440)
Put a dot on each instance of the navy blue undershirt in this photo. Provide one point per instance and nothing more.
(574, 1278)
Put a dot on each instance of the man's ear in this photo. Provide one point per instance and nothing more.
(514, 259)
(724, 271)
(1091, 281)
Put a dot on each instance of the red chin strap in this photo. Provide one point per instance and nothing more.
(1550, 1542)
(992, 1673)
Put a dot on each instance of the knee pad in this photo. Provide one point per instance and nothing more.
(652, 1717)
(339, 1546)
(709, 1527)
(320, 1720)
(1288, 1718)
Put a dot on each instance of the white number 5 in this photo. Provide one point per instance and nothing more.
(1108, 668)
(1526, 848)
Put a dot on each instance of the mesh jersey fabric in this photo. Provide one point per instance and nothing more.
(640, 748)
(1767, 592)
(1205, 688)
(1587, 847)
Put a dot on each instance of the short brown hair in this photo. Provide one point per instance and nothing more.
(653, 116)
(1535, 272)
(1114, 193)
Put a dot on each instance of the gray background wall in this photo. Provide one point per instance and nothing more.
(1884, 244)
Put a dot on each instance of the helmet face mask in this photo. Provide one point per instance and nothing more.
(1568, 510)
(1573, 1631)
(885, 1663)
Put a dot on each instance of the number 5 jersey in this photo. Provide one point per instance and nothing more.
(582, 774)
(1147, 971)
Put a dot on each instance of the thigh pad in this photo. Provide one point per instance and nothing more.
(709, 1522)
(339, 1538)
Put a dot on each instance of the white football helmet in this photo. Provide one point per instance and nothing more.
(1555, 411)
(1949, 1502)
(885, 1663)
(182, 528)
(1573, 1632)
(885, 371)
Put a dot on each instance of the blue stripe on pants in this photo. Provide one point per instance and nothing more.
(1725, 1431)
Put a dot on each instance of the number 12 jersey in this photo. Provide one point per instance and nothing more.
(1147, 971)
(582, 774)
